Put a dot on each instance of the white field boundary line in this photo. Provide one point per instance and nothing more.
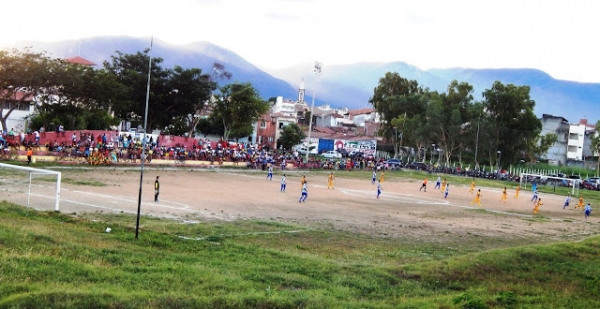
(244, 234)
(412, 199)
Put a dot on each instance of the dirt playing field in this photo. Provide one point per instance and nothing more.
(207, 194)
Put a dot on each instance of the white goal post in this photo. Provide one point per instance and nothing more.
(9, 179)
(543, 179)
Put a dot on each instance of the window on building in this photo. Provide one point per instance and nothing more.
(270, 139)
(260, 138)
(573, 136)
(281, 125)
(263, 124)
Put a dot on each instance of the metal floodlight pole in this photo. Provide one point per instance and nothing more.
(137, 222)
(317, 71)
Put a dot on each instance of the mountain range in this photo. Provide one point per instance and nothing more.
(339, 86)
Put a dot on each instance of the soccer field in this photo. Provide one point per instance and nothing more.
(402, 210)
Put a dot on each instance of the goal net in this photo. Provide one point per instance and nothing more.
(538, 179)
(31, 187)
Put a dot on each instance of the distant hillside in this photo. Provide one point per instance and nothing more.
(352, 85)
(341, 85)
(200, 55)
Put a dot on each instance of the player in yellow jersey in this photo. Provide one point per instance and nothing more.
(382, 177)
(330, 179)
(504, 194)
(477, 198)
(517, 192)
(537, 206)
(472, 186)
(444, 183)
(580, 203)
(302, 181)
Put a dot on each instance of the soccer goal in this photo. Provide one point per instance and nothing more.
(33, 187)
(545, 180)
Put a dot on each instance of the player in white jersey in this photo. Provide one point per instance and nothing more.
(304, 192)
(270, 172)
(567, 201)
(282, 189)
(379, 188)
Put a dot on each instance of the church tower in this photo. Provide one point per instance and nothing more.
(301, 92)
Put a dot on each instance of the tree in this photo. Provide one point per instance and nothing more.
(218, 73)
(393, 98)
(454, 114)
(237, 106)
(516, 126)
(292, 135)
(595, 146)
(174, 92)
(23, 75)
(541, 145)
(78, 93)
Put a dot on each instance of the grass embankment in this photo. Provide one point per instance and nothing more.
(54, 260)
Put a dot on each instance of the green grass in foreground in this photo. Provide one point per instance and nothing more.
(53, 260)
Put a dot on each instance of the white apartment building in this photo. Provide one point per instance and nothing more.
(285, 107)
(578, 145)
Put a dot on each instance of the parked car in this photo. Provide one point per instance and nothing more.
(303, 150)
(342, 152)
(592, 183)
(331, 154)
(393, 163)
(417, 166)
(357, 154)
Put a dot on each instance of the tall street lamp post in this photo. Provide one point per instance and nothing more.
(143, 157)
(498, 169)
(317, 71)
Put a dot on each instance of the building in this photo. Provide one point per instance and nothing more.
(17, 106)
(557, 153)
(578, 146)
(20, 105)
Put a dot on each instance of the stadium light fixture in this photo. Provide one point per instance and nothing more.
(317, 71)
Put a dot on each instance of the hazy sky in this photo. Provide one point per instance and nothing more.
(559, 37)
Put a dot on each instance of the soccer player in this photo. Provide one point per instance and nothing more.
(477, 198)
(517, 192)
(270, 172)
(330, 179)
(581, 203)
(424, 185)
(282, 189)
(382, 177)
(587, 210)
(374, 176)
(302, 181)
(504, 194)
(304, 192)
(438, 182)
(567, 201)
(156, 189)
(444, 182)
(447, 191)
(535, 196)
(537, 206)
(29, 155)
(379, 189)
(472, 186)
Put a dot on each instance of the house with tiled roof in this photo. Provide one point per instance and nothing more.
(80, 60)
(17, 105)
